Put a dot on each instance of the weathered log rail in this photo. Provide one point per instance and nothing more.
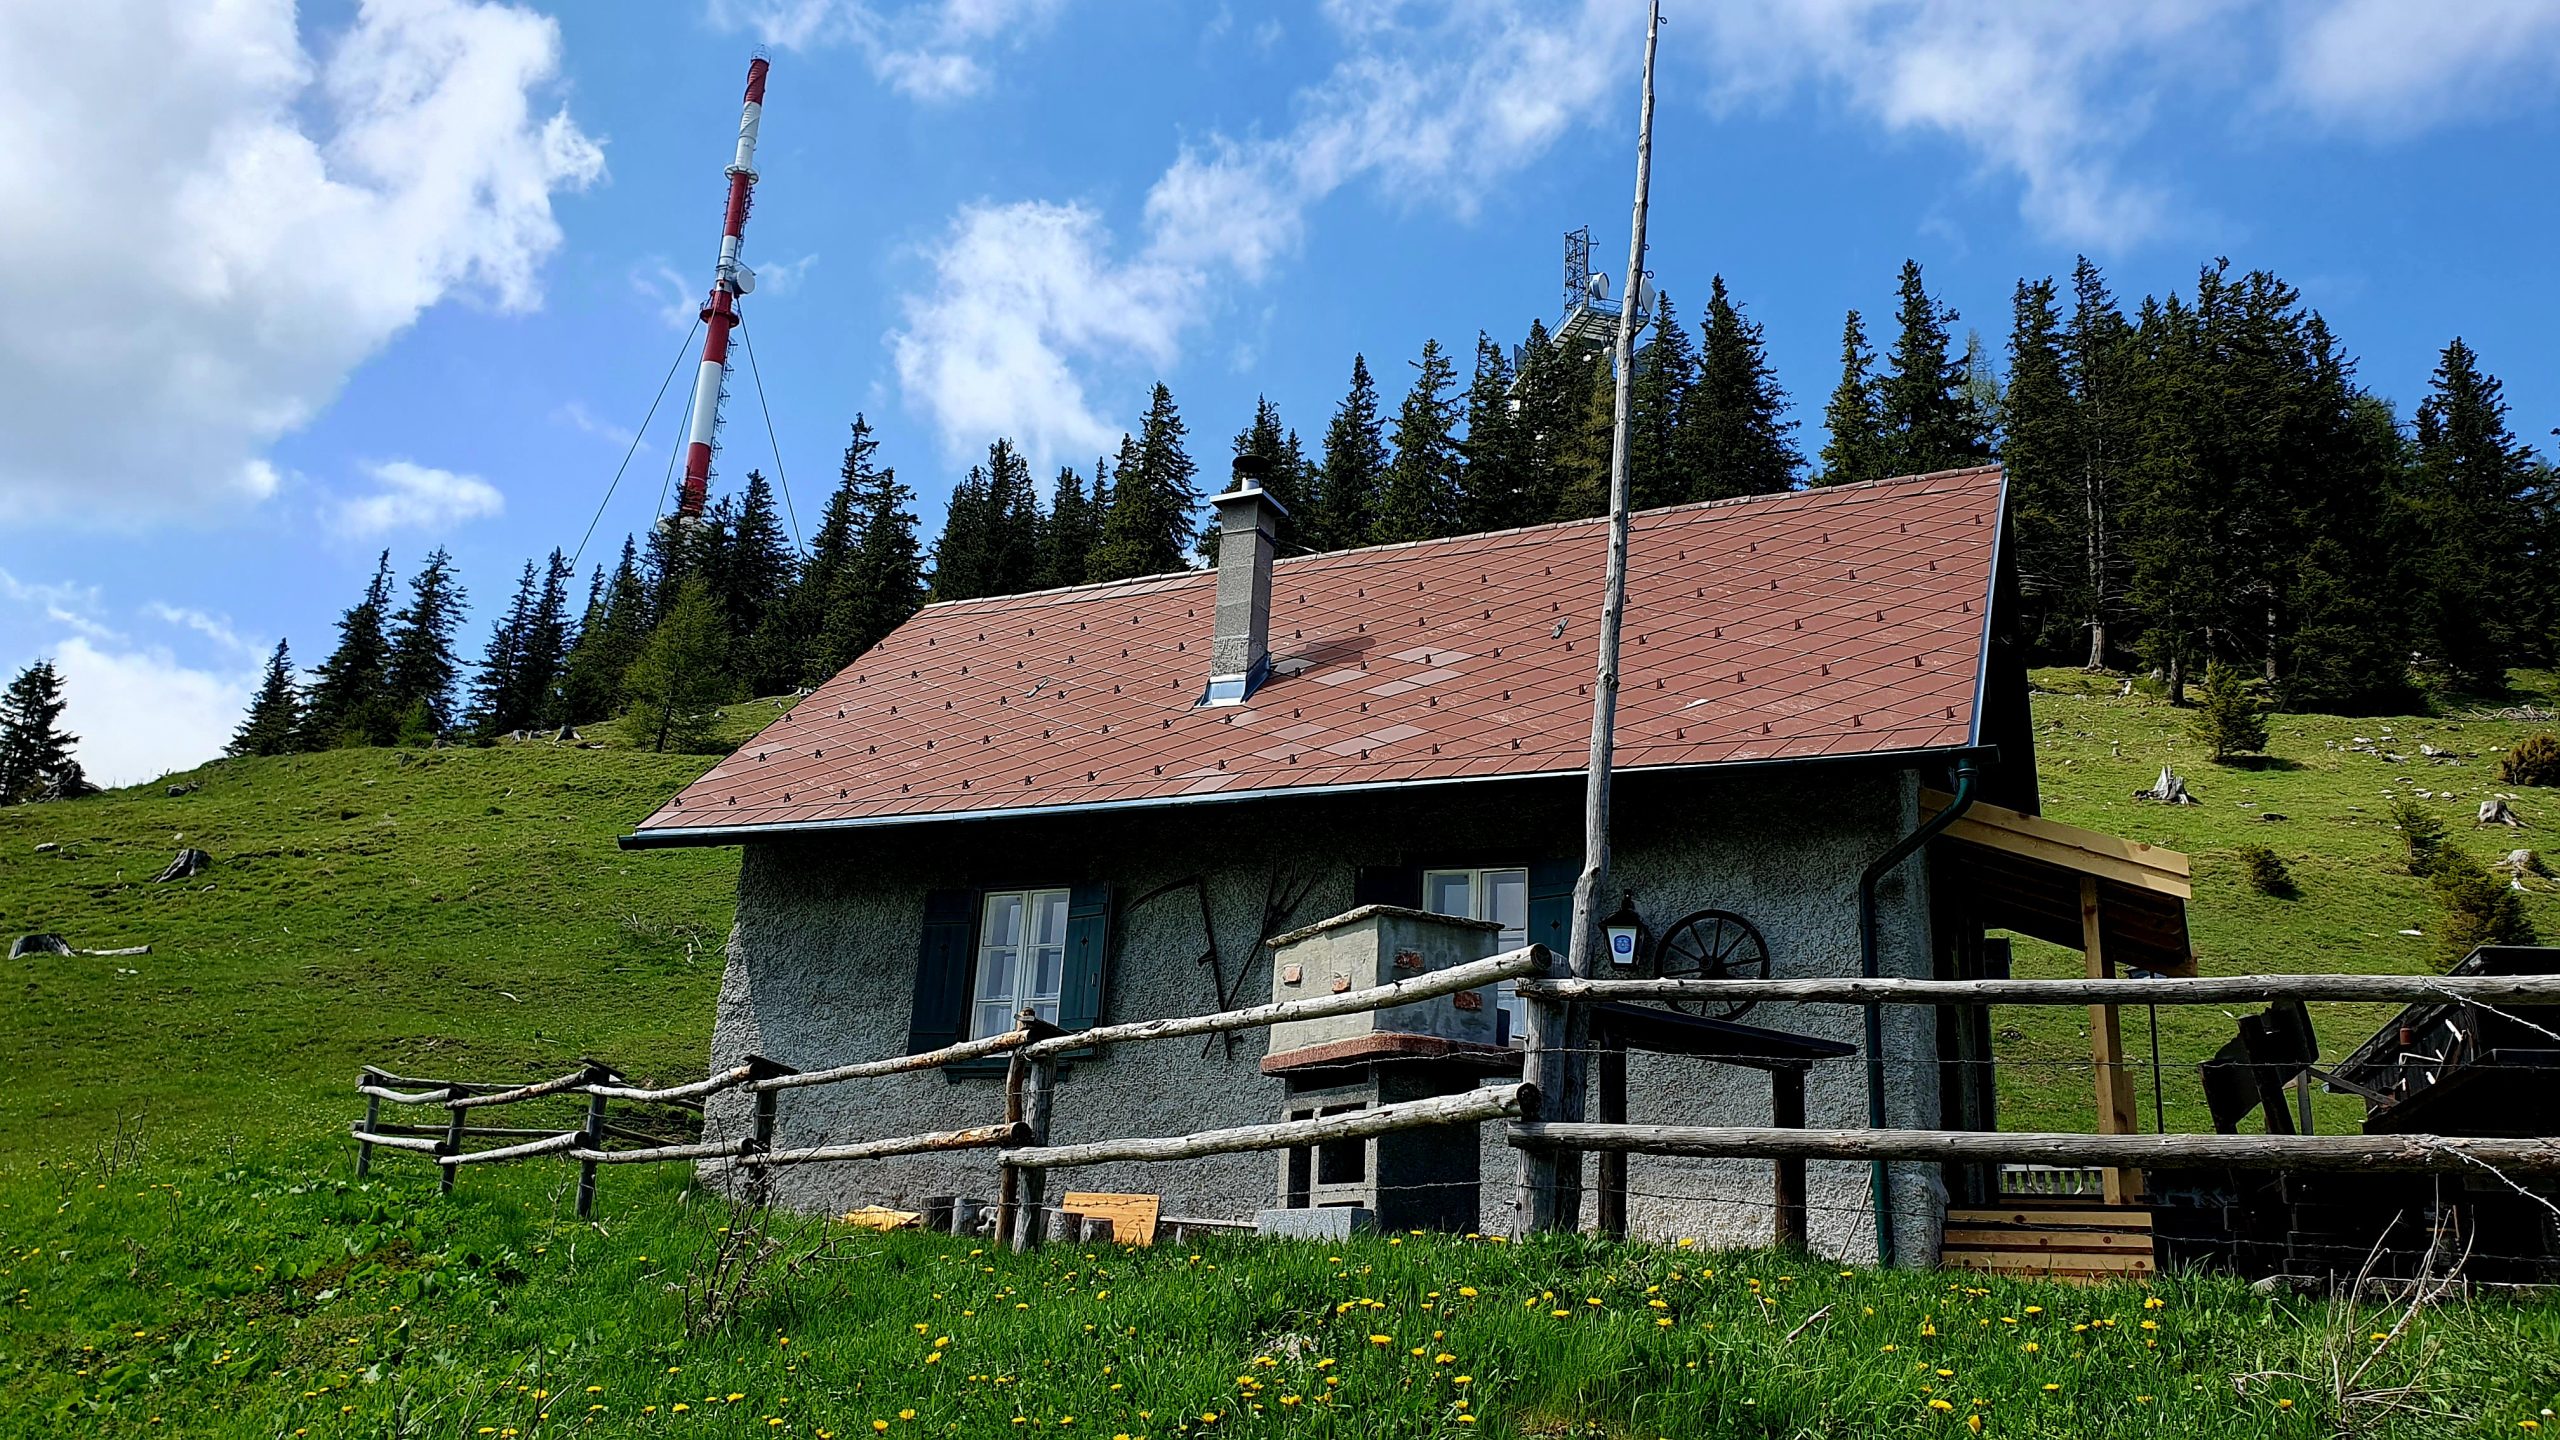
(1033, 1050)
(1789, 1144)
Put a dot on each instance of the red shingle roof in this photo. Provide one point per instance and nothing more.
(1820, 623)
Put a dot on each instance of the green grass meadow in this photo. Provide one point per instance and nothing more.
(184, 1249)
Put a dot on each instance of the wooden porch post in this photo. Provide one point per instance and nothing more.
(1786, 1111)
(2116, 1114)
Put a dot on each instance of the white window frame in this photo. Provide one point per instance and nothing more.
(1017, 961)
(1512, 1011)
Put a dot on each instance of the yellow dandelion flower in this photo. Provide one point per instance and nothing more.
(1382, 1339)
(1560, 1314)
(1467, 1290)
(1940, 1405)
(1973, 1423)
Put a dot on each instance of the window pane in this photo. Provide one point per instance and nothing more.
(1004, 921)
(995, 974)
(1507, 905)
(992, 1020)
(1048, 969)
(1048, 1010)
(1051, 907)
(1449, 892)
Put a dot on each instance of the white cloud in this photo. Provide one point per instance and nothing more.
(782, 277)
(1022, 293)
(141, 713)
(576, 415)
(676, 300)
(2389, 66)
(242, 224)
(216, 628)
(927, 49)
(1025, 296)
(412, 496)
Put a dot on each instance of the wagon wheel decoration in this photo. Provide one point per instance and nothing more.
(1712, 945)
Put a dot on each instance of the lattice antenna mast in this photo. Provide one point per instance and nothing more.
(730, 280)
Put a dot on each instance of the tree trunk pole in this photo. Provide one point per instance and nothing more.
(1564, 1180)
(372, 1120)
(1030, 1217)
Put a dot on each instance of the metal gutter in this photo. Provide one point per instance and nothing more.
(1879, 1179)
(674, 838)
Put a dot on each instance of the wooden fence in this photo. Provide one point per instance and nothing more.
(1021, 1137)
(1545, 1201)
(1025, 1154)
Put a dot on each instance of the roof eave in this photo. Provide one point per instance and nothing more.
(710, 835)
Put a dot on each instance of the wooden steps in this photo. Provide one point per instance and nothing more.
(2051, 1239)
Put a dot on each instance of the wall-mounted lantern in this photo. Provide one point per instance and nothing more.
(1625, 930)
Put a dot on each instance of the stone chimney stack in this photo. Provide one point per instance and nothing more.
(1239, 648)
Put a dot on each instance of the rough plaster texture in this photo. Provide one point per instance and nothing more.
(821, 970)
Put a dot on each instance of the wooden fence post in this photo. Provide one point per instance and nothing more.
(372, 1118)
(1539, 1206)
(1786, 1111)
(452, 1139)
(1016, 1073)
(1613, 1163)
(1032, 1186)
(591, 1138)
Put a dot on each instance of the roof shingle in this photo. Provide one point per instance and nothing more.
(1817, 623)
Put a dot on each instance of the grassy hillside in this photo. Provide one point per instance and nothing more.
(182, 1250)
(2356, 896)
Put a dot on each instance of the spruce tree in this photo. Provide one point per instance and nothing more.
(1354, 464)
(2099, 353)
(756, 568)
(2040, 449)
(960, 552)
(1735, 434)
(497, 688)
(35, 751)
(677, 686)
(990, 542)
(1151, 526)
(1491, 477)
(1418, 499)
(2473, 489)
(1584, 457)
(275, 712)
(420, 672)
(1666, 372)
(1856, 449)
(1552, 385)
(616, 627)
(1926, 415)
(1069, 532)
(350, 702)
(883, 582)
(541, 676)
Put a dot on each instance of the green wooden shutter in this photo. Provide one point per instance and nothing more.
(941, 1013)
(1088, 956)
(1387, 885)
(1551, 885)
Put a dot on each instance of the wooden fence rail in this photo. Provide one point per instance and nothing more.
(2209, 990)
(1021, 1138)
(2247, 1152)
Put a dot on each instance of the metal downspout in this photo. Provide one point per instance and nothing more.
(1879, 1177)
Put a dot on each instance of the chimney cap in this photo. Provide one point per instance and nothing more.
(1250, 471)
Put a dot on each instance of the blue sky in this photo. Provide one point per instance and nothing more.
(313, 283)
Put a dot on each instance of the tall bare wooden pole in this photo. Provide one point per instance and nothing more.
(1552, 1185)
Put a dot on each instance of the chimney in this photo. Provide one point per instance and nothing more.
(1239, 649)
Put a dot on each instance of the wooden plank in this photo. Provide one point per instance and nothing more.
(1133, 1217)
(2036, 1264)
(2203, 990)
(2460, 1154)
(2079, 1240)
(2128, 1218)
(1984, 815)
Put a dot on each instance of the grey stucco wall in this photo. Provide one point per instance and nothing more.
(821, 970)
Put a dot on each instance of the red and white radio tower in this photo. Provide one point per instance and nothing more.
(720, 310)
